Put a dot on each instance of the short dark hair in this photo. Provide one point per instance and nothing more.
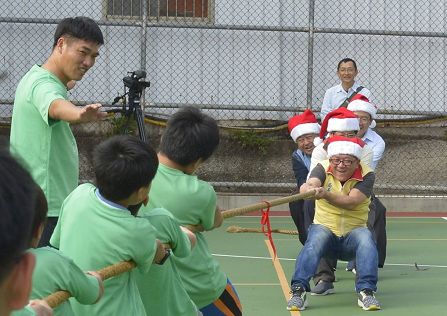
(17, 200)
(346, 60)
(79, 27)
(190, 135)
(122, 165)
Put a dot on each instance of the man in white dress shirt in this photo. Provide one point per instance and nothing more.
(341, 94)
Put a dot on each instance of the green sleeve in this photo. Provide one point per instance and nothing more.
(44, 92)
(144, 245)
(181, 245)
(84, 287)
(209, 208)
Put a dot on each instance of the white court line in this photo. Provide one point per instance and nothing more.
(289, 259)
(444, 218)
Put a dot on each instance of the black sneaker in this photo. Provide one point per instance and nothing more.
(297, 301)
(367, 300)
(323, 288)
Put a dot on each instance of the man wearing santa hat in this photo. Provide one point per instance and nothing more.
(339, 122)
(341, 94)
(342, 122)
(303, 129)
(343, 185)
(367, 112)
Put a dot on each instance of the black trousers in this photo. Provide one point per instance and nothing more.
(48, 231)
(302, 212)
(377, 225)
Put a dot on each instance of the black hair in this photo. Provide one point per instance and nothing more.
(346, 60)
(122, 165)
(79, 27)
(17, 200)
(40, 210)
(190, 135)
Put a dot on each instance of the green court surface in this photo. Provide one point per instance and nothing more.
(402, 288)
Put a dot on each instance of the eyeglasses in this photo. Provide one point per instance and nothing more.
(346, 162)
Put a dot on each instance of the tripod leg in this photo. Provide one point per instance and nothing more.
(140, 122)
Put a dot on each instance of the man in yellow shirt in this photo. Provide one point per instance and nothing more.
(343, 186)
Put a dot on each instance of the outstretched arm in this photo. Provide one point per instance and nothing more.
(64, 110)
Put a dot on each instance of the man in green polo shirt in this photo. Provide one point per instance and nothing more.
(40, 132)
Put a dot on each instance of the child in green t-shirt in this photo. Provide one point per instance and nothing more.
(17, 200)
(54, 271)
(161, 289)
(190, 138)
(97, 229)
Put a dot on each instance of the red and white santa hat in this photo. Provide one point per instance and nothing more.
(305, 123)
(341, 145)
(338, 120)
(361, 103)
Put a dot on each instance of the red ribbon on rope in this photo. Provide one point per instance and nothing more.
(266, 229)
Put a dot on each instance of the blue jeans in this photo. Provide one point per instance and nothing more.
(321, 242)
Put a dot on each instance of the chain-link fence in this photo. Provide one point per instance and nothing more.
(256, 63)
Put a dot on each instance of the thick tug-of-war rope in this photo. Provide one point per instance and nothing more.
(59, 297)
(261, 205)
(238, 229)
(264, 207)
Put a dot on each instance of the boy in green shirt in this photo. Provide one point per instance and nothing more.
(161, 289)
(54, 271)
(96, 228)
(189, 139)
(17, 200)
(40, 130)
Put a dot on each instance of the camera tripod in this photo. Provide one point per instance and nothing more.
(134, 84)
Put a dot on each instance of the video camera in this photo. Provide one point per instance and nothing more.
(134, 82)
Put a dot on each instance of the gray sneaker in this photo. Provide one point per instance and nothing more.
(323, 288)
(367, 300)
(297, 301)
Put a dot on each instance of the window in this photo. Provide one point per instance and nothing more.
(179, 8)
(124, 8)
(159, 9)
